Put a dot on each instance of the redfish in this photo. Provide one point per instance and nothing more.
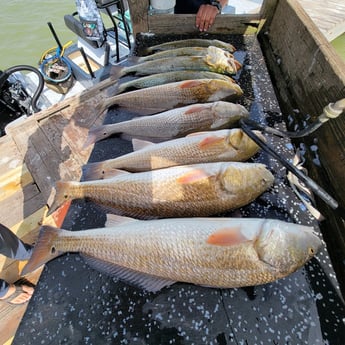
(160, 98)
(192, 42)
(163, 78)
(182, 51)
(205, 147)
(213, 252)
(182, 191)
(174, 123)
(216, 60)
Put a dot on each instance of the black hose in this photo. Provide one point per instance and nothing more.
(331, 111)
(247, 124)
(286, 134)
(5, 75)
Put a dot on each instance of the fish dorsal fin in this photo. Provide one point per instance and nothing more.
(139, 144)
(227, 237)
(195, 175)
(138, 279)
(114, 220)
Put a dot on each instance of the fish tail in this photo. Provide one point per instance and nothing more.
(238, 65)
(63, 194)
(94, 111)
(116, 72)
(147, 51)
(96, 134)
(93, 171)
(134, 59)
(102, 107)
(44, 249)
(238, 90)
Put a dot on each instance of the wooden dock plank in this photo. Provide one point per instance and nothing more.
(50, 144)
(71, 137)
(328, 15)
(13, 180)
(20, 205)
(39, 155)
(185, 23)
(45, 148)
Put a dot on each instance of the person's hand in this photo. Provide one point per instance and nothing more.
(206, 17)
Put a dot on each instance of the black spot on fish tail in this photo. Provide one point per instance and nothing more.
(116, 72)
(96, 134)
(92, 171)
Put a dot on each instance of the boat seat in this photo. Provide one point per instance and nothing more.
(75, 25)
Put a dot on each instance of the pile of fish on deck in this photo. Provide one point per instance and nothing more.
(195, 169)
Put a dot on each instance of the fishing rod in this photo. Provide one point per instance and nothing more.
(331, 111)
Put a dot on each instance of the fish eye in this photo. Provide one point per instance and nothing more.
(311, 251)
(52, 250)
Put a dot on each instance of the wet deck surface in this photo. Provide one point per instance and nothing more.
(74, 304)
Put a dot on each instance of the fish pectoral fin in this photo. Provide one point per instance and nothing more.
(139, 144)
(193, 176)
(210, 141)
(227, 237)
(114, 220)
(197, 108)
(188, 84)
(138, 279)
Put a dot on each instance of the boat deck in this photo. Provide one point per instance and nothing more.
(328, 15)
(73, 301)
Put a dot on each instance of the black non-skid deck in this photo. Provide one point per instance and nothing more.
(74, 304)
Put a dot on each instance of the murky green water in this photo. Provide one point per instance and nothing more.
(339, 45)
(24, 33)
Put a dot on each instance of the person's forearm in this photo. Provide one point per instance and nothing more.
(223, 2)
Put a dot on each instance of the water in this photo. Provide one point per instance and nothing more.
(25, 35)
(339, 45)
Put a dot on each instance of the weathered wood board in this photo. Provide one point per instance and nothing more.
(36, 153)
(309, 75)
(329, 16)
